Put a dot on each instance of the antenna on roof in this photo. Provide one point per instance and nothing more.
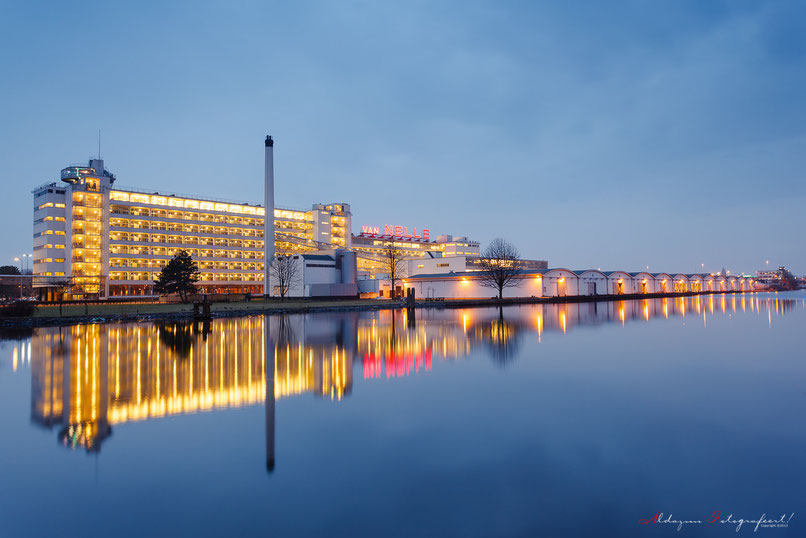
(99, 143)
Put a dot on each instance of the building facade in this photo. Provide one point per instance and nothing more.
(561, 282)
(109, 241)
(371, 243)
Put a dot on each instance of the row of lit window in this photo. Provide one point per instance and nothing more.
(92, 243)
(186, 228)
(185, 203)
(49, 260)
(49, 218)
(284, 216)
(203, 253)
(50, 204)
(49, 245)
(116, 209)
(49, 273)
(203, 277)
(49, 232)
(235, 266)
(162, 251)
(207, 241)
(183, 240)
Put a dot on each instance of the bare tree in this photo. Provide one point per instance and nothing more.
(393, 264)
(285, 274)
(500, 266)
(60, 287)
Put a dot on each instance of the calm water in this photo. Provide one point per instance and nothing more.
(554, 420)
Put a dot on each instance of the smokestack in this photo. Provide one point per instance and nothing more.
(268, 226)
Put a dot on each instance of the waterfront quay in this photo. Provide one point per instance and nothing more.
(48, 314)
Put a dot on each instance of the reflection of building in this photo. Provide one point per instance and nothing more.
(90, 377)
(114, 241)
(86, 379)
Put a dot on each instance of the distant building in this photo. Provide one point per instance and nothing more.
(771, 277)
(370, 244)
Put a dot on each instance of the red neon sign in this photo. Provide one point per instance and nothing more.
(396, 232)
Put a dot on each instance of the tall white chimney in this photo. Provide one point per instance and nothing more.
(268, 226)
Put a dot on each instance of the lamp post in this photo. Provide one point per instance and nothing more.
(20, 260)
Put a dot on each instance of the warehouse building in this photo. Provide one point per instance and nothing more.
(561, 282)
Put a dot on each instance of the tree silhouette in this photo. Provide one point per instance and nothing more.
(500, 266)
(286, 273)
(178, 276)
(393, 263)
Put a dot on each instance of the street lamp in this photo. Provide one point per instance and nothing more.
(19, 260)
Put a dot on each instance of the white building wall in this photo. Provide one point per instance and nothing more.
(560, 283)
(681, 283)
(643, 283)
(427, 266)
(664, 283)
(592, 283)
(468, 287)
(51, 237)
(619, 283)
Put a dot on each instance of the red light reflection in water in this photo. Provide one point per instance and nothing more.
(397, 365)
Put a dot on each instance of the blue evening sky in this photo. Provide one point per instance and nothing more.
(592, 134)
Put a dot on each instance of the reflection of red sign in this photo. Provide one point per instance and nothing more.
(396, 232)
(398, 365)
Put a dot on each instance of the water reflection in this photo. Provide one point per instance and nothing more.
(85, 379)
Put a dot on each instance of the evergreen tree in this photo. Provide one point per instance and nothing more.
(179, 276)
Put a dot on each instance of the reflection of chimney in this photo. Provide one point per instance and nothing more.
(268, 346)
(268, 226)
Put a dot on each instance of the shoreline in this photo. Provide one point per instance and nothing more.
(146, 312)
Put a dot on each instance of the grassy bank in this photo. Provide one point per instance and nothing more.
(138, 309)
